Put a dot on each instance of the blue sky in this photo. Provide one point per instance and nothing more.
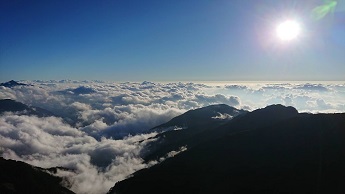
(161, 40)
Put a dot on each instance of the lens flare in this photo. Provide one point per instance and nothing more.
(321, 11)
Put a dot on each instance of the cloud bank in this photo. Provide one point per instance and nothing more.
(49, 142)
(100, 129)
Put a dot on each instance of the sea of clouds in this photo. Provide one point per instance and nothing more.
(100, 129)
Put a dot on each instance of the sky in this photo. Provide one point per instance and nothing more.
(161, 40)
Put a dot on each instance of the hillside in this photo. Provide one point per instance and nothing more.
(270, 150)
(19, 177)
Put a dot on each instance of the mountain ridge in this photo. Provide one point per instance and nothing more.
(19, 177)
(270, 150)
(9, 105)
(191, 125)
(197, 117)
(12, 83)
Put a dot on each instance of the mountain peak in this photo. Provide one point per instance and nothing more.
(266, 116)
(201, 116)
(269, 150)
(277, 109)
(12, 83)
(83, 90)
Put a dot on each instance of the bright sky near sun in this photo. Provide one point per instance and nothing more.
(288, 30)
(166, 40)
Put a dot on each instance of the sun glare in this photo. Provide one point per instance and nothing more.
(288, 30)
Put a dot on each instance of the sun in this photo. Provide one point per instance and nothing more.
(288, 30)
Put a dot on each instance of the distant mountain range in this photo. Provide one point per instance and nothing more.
(12, 83)
(270, 150)
(8, 105)
(19, 177)
(77, 91)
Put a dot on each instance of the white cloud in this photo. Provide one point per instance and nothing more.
(303, 96)
(224, 116)
(101, 114)
(81, 106)
(48, 142)
(173, 153)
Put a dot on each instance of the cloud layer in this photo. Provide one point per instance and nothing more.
(100, 128)
(48, 142)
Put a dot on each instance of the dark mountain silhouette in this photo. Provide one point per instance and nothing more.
(270, 150)
(83, 90)
(78, 91)
(202, 116)
(194, 124)
(8, 105)
(19, 177)
(12, 83)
